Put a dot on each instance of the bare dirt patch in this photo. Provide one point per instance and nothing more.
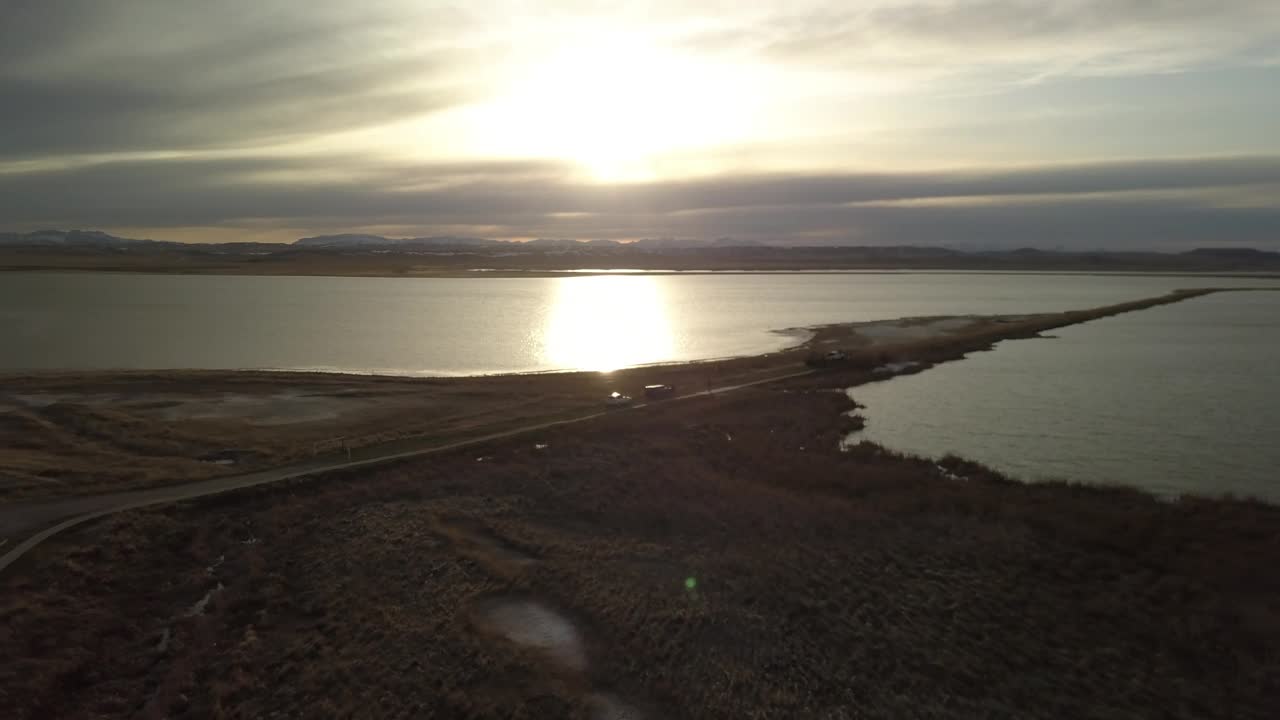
(608, 707)
(898, 331)
(495, 554)
(68, 434)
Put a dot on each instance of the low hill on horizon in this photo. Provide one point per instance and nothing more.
(364, 254)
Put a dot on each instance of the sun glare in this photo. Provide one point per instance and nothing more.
(614, 104)
(607, 322)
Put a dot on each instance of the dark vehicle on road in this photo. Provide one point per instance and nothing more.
(832, 358)
(617, 399)
(658, 392)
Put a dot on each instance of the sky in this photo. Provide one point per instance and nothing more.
(1074, 124)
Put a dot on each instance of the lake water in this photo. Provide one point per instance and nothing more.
(1178, 398)
(485, 325)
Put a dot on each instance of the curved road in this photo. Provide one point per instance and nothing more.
(21, 518)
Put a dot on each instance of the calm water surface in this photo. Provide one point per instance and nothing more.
(1178, 398)
(483, 325)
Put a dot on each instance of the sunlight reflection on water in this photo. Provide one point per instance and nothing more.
(607, 322)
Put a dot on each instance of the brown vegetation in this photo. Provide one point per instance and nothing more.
(82, 446)
(825, 585)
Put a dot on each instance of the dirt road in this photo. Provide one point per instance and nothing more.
(48, 518)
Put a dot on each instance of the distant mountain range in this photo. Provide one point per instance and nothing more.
(67, 237)
(816, 255)
(378, 241)
(97, 238)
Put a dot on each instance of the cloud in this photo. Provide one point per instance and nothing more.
(1032, 38)
(1119, 204)
(1092, 223)
(175, 114)
(83, 76)
(44, 119)
(91, 77)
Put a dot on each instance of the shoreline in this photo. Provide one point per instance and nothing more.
(820, 580)
(501, 273)
(867, 354)
(38, 375)
(316, 415)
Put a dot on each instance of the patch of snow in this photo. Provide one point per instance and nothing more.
(216, 564)
(203, 603)
(533, 625)
(947, 474)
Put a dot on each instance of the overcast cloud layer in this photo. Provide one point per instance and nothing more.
(1119, 124)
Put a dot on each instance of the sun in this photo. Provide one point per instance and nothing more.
(615, 105)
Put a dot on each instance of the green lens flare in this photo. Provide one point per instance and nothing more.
(690, 583)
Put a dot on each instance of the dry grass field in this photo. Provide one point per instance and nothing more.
(715, 558)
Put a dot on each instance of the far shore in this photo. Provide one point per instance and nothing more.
(519, 261)
(501, 273)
